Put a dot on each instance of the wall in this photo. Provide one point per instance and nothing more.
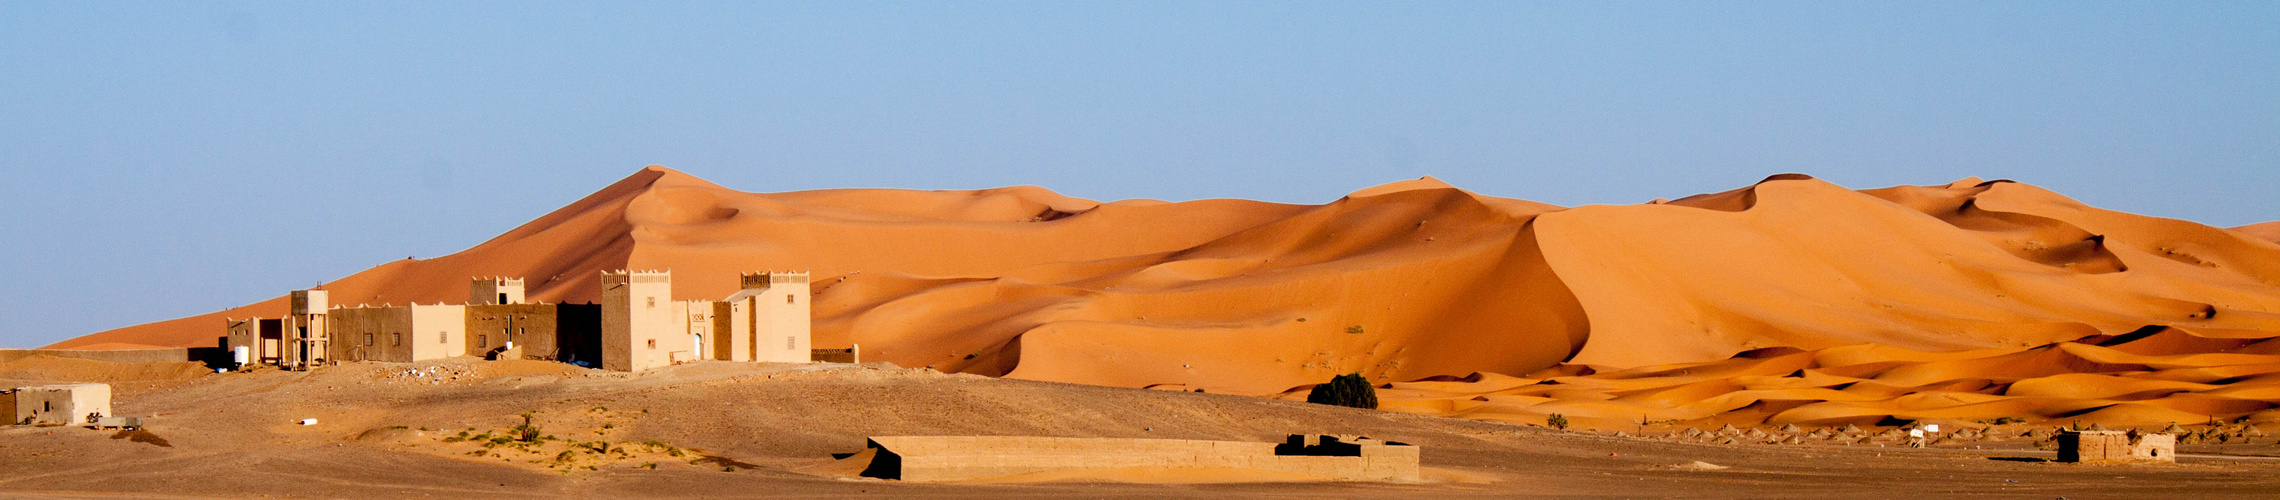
(399, 334)
(533, 327)
(389, 329)
(948, 458)
(732, 322)
(118, 356)
(441, 331)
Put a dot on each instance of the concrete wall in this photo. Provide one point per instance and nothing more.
(67, 404)
(950, 458)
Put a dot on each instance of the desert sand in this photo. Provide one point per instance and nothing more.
(721, 429)
(1790, 301)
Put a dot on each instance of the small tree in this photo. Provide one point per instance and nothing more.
(1345, 390)
(1556, 421)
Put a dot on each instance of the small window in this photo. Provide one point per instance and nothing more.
(652, 343)
(652, 302)
(791, 342)
(483, 341)
(395, 339)
(788, 299)
(442, 337)
(367, 339)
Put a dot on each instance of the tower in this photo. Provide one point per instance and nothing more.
(641, 324)
(307, 338)
(492, 291)
(775, 314)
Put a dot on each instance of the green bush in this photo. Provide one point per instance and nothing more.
(1345, 390)
(1557, 421)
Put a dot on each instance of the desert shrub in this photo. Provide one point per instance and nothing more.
(1349, 390)
(1557, 421)
(526, 432)
(1354, 329)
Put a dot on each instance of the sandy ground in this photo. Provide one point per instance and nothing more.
(740, 430)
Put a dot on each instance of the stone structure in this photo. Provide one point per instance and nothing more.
(2115, 446)
(637, 326)
(66, 404)
(952, 458)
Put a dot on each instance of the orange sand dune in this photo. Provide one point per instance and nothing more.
(1792, 300)
(2269, 231)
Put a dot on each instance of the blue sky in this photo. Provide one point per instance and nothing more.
(164, 159)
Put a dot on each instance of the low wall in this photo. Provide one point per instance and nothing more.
(849, 355)
(119, 356)
(951, 458)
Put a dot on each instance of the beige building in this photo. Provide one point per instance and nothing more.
(66, 404)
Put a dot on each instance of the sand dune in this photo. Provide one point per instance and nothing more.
(1791, 300)
(2269, 231)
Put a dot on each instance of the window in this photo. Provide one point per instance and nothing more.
(652, 302)
(652, 343)
(787, 298)
(483, 341)
(442, 337)
(367, 339)
(395, 339)
(791, 342)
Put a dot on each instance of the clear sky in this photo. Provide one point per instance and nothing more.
(164, 159)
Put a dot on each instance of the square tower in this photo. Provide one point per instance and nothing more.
(775, 315)
(641, 326)
(495, 291)
(307, 334)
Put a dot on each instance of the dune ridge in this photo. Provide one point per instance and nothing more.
(1819, 303)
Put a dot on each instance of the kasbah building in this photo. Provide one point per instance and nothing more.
(636, 326)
